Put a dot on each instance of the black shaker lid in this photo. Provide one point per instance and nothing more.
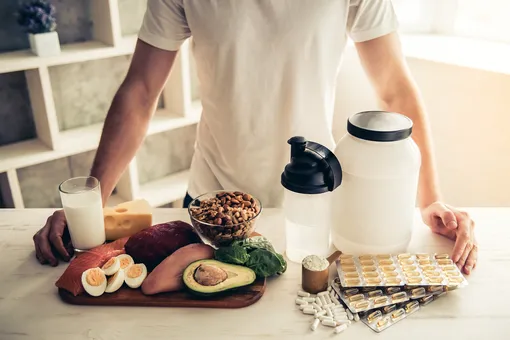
(380, 126)
(313, 168)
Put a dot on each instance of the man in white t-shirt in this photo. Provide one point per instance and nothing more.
(267, 71)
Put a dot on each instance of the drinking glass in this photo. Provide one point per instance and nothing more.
(83, 208)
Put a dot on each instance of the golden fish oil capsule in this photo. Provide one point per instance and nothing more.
(389, 309)
(369, 269)
(409, 268)
(383, 256)
(347, 261)
(390, 274)
(353, 282)
(442, 256)
(434, 289)
(380, 300)
(351, 274)
(404, 256)
(368, 289)
(398, 296)
(424, 262)
(367, 262)
(351, 291)
(411, 274)
(417, 292)
(385, 262)
(422, 256)
(392, 290)
(388, 268)
(426, 300)
(375, 293)
(455, 273)
(349, 269)
(371, 274)
(365, 257)
(414, 280)
(406, 262)
(444, 262)
(362, 305)
(373, 280)
(393, 281)
(356, 297)
(374, 316)
(383, 322)
(398, 314)
(455, 280)
(428, 268)
(449, 268)
(431, 273)
(345, 256)
(412, 306)
(434, 279)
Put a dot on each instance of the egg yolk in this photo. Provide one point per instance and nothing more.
(94, 277)
(124, 262)
(134, 271)
(109, 263)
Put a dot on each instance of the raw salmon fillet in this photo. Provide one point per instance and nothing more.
(71, 278)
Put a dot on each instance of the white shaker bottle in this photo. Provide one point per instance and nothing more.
(374, 207)
(313, 172)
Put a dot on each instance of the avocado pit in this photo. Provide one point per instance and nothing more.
(210, 275)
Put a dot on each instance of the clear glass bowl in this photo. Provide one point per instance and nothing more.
(220, 235)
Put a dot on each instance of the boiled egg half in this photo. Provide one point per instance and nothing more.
(135, 274)
(94, 281)
(125, 261)
(111, 266)
(115, 282)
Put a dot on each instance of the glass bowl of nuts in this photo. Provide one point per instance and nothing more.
(222, 217)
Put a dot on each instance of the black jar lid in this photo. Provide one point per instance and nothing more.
(380, 126)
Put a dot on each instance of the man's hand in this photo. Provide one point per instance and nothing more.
(53, 241)
(458, 226)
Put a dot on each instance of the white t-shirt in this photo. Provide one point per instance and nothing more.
(267, 72)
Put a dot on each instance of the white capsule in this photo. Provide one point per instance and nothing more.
(322, 318)
(303, 293)
(300, 301)
(340, 312)
(316, 307)
(315, 324)
(356, 317)
(329, 288)
(321, 313)
(329, 312)
(328, 299)
(329, 305)
(308, 299)
(322, 293)
(349, 315)
(318, 301)
(342, 322)
(323, 300)
(340, 328)
(340, 317)
(329, 323)
(310, 311)
(303, 306)
(338, 309)
(336, 302)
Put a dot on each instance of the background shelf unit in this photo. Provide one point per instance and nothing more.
(181, 108)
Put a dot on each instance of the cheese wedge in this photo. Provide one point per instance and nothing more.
(127, 219)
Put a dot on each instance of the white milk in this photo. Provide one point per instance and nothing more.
(84, 214)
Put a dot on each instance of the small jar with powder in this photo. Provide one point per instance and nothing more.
(315, 274)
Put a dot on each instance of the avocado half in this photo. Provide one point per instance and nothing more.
(230, 276)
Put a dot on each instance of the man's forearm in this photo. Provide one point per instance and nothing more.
(124, 130)
(408, 102)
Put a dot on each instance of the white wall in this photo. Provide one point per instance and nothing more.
(470, 116)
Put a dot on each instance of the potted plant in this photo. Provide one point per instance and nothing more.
(38, 19)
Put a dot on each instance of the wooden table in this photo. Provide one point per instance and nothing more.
(31, 309)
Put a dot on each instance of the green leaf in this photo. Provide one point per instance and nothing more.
(234, 254)
(265, 263)
(257, 242)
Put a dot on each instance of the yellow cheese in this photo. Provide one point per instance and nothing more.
(127, 219)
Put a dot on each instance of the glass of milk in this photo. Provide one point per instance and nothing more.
(83, 207)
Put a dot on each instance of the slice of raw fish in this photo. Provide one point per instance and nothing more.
(71, 278)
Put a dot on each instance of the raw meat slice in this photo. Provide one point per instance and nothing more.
(71, 278)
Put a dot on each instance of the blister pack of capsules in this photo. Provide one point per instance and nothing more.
(382, 318)
(398, 270)
(367, 298)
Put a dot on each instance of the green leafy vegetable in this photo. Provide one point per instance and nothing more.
(264, 262)
(256, 242)
(234, 254)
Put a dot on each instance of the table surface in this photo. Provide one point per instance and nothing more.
(31, 309)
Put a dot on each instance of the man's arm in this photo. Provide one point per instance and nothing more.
(129, 115)
(387, 70)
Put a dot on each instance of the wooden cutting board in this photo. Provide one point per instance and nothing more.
(125, 296)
